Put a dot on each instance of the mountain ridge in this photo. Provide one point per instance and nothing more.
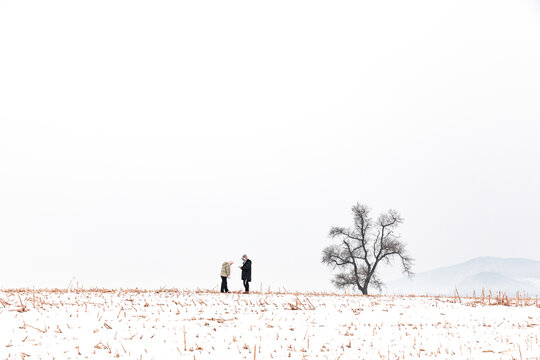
(486, 272)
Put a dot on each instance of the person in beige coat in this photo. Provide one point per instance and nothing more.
(225, 274)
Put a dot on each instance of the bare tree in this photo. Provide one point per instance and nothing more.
(361, 249)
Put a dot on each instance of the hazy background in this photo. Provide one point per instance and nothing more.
(142, 143)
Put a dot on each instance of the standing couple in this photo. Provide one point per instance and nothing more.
(246, 274)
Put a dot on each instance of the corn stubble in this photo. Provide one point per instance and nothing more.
(184, 324)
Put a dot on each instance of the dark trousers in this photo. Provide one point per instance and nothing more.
(246, 285)
(224, 287)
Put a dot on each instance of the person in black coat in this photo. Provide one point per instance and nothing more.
(246, 272)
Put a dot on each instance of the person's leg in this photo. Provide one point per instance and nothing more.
(246, 286)
(226, 285)
(223, 283)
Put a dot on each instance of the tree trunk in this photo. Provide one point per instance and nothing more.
(364, 290)
(366, 285)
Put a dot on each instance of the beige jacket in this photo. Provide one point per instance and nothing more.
(226, 269)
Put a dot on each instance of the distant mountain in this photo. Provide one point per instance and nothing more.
(490, 273)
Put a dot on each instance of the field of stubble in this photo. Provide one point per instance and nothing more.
(181, 324)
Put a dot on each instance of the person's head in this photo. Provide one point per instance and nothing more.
(244, 257)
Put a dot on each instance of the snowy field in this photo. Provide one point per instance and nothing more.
(175, 324)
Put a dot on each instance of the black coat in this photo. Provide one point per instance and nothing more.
(246, 270)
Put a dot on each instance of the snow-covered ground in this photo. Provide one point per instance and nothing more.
(207, 325)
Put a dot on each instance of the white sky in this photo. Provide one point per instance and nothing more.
(142, 143)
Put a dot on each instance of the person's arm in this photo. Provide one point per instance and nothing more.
(247, 265)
